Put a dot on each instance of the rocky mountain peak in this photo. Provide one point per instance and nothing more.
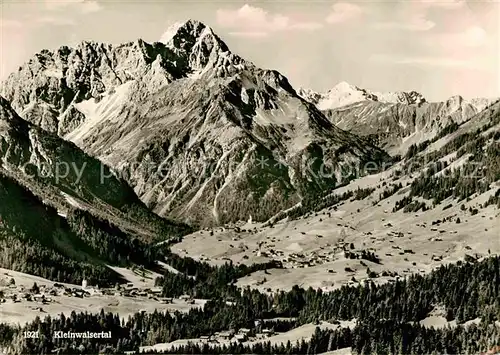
(198, 45)
(190, 104)
(46, 87)
(183, 29)
(344, 86)
(344, 94)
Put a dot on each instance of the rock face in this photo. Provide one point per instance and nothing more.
(199, 133)
(397, 126)
(345, 94)
(394, 119)
(64, 177)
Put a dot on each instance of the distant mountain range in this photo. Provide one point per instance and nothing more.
(344, 94)
(395, 120)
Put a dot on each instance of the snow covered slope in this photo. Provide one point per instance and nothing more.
(344, 94)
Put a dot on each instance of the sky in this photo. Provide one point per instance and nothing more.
(439, 48)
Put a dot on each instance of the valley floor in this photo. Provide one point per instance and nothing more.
(24, 311)
(312, 248)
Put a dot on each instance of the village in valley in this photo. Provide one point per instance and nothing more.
(23, 297)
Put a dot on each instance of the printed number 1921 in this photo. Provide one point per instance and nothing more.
(31, 335)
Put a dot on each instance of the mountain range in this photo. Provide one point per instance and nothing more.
(395, 120)
(190, 135)
(180, 168)
(200, 134)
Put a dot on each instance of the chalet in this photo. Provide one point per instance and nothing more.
(205, 338)
(156, 290)
(188, 299)
(240, 337)
(226, 335)
(268, 332)
(39, 298)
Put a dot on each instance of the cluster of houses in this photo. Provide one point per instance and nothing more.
(315, 257)
(296, 260)
(40, 294)
(241, 335)
(44, 293)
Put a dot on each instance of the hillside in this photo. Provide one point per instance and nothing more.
(36, 240)
(440, 204)
(395, 127)
(66, 178)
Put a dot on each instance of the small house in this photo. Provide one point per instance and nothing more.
(226, 335)
(39, 298)
(268, 332)
(156, 290)
(240, 337)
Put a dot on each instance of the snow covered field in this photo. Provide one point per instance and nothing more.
(304, 332)
(405, 242)
(26, 311)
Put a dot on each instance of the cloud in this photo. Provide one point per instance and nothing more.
(442, 4)
(415, 23)
(461, 41)
(252, 21)
(434, 61)
(56, 21)
(342, 12)
(473, 36)
(52, 12)
(249, 34)
(82, 6)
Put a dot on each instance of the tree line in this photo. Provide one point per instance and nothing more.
(467, 290)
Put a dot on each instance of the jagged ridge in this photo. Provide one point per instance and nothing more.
(202, 111)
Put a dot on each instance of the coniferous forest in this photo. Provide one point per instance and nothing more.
(386, 315)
